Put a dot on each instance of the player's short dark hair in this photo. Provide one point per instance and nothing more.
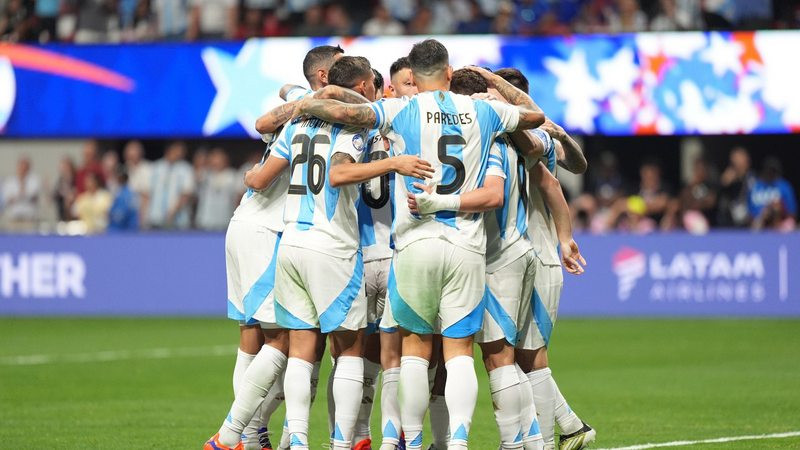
(319, 57)
(468, 82)
(515, 77)
(378, 80)
(428, 57)
(347, 70)
(400, 64)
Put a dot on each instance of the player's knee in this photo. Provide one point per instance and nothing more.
(497, 354)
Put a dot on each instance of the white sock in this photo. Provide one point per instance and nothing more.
(506, 398)
(529, 424)
(545, 398)
(258, 379)
(329, 393)
(440, 421)
(414, 394)
(314, 380)
(250, 432)
(285, 435)
(461, 393)
(362, 429)
(348, 386)
(568, 421)
(272, 401)
(298, 400)
(390, 409)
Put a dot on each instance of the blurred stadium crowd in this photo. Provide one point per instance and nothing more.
(113, 191)
(93, 21)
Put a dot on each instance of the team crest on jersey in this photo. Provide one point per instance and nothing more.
(358, 141)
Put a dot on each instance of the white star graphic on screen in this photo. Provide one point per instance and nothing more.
(723, 55)
(577, 88)
(243, 89)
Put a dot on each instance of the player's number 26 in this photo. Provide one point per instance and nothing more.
(315, 179)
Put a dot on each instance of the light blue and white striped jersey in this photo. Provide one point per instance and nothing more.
(507, 227)
(265, 207)
(455, 134)
(541, 228)
(375, 209)
(319, 217)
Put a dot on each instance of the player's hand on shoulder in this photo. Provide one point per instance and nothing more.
(486, 96)
(571, 257)
(412, 166)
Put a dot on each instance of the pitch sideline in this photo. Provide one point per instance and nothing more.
(752, 437)
(118, 355)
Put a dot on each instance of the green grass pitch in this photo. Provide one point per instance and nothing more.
(635, 381)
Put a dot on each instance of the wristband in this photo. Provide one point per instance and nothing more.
(433, 202)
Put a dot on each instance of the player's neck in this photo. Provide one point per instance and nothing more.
(432, 85)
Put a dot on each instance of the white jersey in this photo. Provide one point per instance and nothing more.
(375, 206)
(541, 228)
(507, 227)
(455, 134)
(319, 217)
(264, 207)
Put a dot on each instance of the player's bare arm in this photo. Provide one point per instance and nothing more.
(275, 118)
(550, 187)
(530, 115)
(261, 176)
(335, 111)
(573, 158)
(528, 145)
(488, 197)
(344, 170)
(342, 94)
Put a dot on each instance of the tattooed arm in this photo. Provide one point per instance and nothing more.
(530, 115)
(340, 93)
(360, 115)
(573, 159)
(344, 170)
(271, 121)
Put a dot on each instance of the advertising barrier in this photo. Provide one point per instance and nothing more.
(627, 84)
(721, 274)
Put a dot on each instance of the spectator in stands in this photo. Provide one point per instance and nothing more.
(16, 21)
(217, 196)
(172, 18)
(477, 22)
(736, 183)
(606, 183)
(124, 212)
(653, 190)
(337, 19)
(447, 14)
(382, 24)
(402, 10)
(529, 14)
(64, 193)
(91, 166)
(630, 215)
(627, 17)
(91, 206)
(422, 22)
(694, 208)
(592, 17)
(212, 19)
(46, 18)
(110, 166)
(144, 26)
(172, 186)
(313, 24)
(771, 199)
(503, 22)
(252, 24)
(97, 21)
(138, 171)
(676, 15)
(21, 197)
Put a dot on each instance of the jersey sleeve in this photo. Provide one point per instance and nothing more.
(385, 111)
(497, 116)
(282, 147)
(351, 143)
(296, 93)
(549, 157)
(497, 159)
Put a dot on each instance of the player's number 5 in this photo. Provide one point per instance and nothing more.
(460, 176)
(307, 155)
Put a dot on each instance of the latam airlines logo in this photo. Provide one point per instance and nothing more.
(693, 277)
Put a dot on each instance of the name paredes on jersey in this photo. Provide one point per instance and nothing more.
(449, 119)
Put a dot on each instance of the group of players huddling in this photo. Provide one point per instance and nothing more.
(402, 230)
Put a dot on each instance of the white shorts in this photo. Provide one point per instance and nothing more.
(507, 306)
(250, 251)
(317, 290)
(376, 274)
(538, 327)
(433, 279)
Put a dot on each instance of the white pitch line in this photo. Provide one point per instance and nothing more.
(754, 437)
(118, 355)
